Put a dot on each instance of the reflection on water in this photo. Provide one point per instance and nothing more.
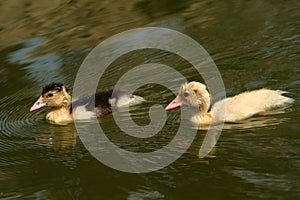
(254, 44)
(60, 138)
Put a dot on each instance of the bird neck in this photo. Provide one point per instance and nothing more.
(59, 114)
(202, 118)
(67, 100)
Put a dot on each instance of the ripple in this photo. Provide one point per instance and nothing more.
(14, 114)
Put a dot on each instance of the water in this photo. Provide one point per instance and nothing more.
(255, 44)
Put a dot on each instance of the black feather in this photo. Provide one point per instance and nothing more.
(53, 86)
(100, 103)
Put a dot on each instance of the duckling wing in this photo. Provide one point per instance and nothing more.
(103, 102)
(251, 103)
(82, 109)
(90, 106)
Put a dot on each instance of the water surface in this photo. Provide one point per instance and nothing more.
(255, 44)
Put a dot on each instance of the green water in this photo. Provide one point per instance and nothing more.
(255, 44)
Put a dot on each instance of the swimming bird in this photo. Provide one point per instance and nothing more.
(57, 97)
(237, 108)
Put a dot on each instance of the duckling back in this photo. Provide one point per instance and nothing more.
(248, 104)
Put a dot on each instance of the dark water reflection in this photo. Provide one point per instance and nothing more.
(254, 44)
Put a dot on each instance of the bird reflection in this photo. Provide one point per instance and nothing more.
(59, 138)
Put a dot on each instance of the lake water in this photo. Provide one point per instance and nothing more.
(255, 44)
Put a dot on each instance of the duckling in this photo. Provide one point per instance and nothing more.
(57, 97)
(237, 108)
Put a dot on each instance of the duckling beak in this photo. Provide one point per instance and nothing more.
(174, 104)
(38, 104)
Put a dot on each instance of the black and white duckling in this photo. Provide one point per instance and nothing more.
(57, 97)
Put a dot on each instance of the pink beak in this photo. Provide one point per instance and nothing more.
(38, 104)
(174, 104)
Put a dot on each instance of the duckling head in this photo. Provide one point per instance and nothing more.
(193, 94)
(54, 95)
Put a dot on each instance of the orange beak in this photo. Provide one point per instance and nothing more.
(38, 104)
(174, 104)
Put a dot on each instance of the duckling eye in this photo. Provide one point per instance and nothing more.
(50, 95)
(186, 94)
